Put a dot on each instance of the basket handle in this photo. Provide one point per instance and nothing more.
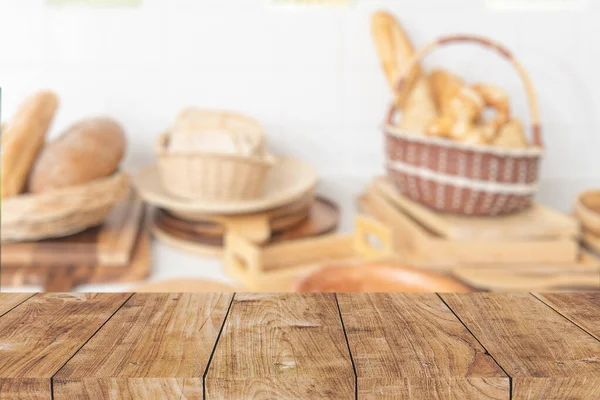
(403, 83)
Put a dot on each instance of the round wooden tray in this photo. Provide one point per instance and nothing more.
(216, 228)
(289, 180)
(323, 218)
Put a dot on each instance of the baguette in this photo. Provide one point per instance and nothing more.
(90, 149)
(395, 49)
(22, 139)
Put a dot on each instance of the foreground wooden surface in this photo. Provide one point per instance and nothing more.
(300, 346)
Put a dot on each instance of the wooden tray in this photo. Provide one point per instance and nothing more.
(289, 180)
(421, 246)
(323, 218)
(109, 244)
(538, 222)
(275, 268)
(61, 278)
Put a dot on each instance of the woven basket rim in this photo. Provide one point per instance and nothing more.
(532, 151)
(266, 160)
(13, 207)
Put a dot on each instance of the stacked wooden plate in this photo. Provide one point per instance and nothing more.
(587, 211)
(287, 210)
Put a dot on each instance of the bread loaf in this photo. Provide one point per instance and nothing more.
(22, 138)
(88, 150)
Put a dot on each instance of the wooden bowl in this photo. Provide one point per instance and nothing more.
(378, 277)
(587, 211)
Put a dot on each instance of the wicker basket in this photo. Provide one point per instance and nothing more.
(211, 176)
(462, 178)
(62, 212)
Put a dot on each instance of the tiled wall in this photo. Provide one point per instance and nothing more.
(310, 74)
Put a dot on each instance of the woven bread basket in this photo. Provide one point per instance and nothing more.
(463, 178)
(587, 211)
(211, 176)
(61, 212)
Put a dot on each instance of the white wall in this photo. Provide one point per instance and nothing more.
(310, 74)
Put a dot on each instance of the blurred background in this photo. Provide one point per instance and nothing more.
(309, 73)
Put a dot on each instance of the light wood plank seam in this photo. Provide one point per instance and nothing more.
(86, 342)
(535, 296)
(348, 346)
(212, 353)
(510, 379)
(18, 304)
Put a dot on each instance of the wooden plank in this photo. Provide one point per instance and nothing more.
(583, 309)
(281, 346)
(538, 222)
(8, 301)
(546, 356)
(38, 337)
(156, 346)
(412, 346)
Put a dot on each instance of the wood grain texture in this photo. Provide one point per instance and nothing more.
(157, 346)
(546, 356)
(281, 346)
(38, 337)
(411, 346)
(583, 309)
(10, 301)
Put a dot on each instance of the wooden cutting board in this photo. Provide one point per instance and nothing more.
(324, 218)
(538, 222)
(108, 244)
(65, 278)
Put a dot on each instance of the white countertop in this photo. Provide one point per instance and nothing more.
(170, 263)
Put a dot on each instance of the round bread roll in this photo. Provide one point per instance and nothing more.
(90, 149)
(378, 277)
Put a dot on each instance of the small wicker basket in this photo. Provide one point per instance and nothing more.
(462, 178)
(62, 212)
(212, 176)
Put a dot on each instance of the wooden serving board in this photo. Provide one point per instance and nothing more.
(538, 222)
(108, 244)
(65, 278)
(420, 245)
(323, 217)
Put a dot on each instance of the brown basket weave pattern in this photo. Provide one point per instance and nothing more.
(461, 178)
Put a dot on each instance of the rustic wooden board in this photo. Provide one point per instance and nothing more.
(10, 301)
(109, 244)
(157, 346)
(423, 247)
(60, 278)
(323, 218)
(546, 356)
(583, 309)
(426, 353)
(38, 337)
(298, 350)
(538, 222)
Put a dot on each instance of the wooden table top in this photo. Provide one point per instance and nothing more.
(302, 346)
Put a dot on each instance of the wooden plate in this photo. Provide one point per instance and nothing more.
(324, 218)
(212, 229)
(288, 181)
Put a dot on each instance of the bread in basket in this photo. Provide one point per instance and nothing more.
(213, 156)
(462, 178)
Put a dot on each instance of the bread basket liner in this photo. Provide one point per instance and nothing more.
(61, 212)
(512, 173)
(224, 176)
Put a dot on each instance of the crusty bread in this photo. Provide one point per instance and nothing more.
(90, 149)
(23, 137)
